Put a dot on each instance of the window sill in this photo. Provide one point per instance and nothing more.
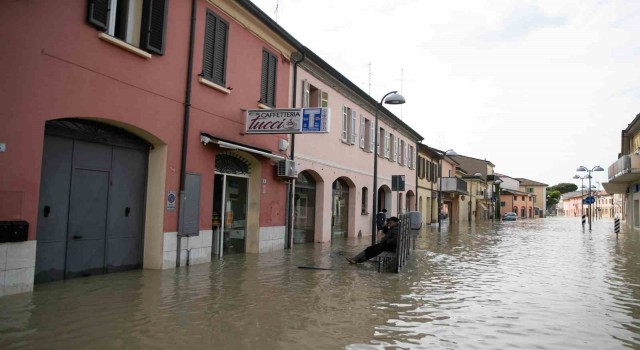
(124, 45)
(213, 85)
(263, 106)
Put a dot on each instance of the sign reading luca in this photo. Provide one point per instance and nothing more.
(273, 121)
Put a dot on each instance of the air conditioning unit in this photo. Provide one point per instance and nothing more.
(287, 169)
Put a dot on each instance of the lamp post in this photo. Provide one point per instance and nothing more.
(393, 99)
(576, 176)
(497, 183)
(584, 168)
(448, 152)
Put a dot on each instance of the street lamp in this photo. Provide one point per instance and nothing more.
(448, 152)
(392, 98)
(576, 176)
(584, 168)
(496, 204)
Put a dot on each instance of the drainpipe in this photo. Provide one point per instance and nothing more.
(292, 182)
(185, 134)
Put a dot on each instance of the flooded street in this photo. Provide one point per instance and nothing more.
(541, 284)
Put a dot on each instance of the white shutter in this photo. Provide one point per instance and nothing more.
(394, 152)
(371, 126)
(386, 144)
(345, 124)
(352, 128)
(305, 93)
(362, 131)
(378, 148)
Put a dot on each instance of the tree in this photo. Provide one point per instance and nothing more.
(563, 188)
(553, 198)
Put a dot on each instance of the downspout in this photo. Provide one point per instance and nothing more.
(417, 164)
(292, 182)
(185, 134)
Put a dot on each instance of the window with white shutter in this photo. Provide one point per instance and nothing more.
(371, 135)
(363, 123)
(345, 123)
(387, 144)
(352, 128)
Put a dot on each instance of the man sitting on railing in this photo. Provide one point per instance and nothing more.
(387, 243)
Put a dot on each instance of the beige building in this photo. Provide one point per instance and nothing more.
(539, 192)
(428, 165)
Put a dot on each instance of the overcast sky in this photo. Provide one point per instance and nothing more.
(536, 87)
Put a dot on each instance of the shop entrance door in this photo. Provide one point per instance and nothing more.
(230, 214)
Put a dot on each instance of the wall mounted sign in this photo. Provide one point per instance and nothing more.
(287, 121)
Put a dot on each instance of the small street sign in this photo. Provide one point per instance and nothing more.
(589, 200)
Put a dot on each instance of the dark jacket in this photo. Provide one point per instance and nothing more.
(390, 236)
(380, 219)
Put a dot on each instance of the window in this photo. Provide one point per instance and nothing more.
(215, 49)
(394, 148)
(387, 145)
(137, 22)
(348, 134)
(410, 157)
(352, 128)
(379, 145)
(313, 96)
(371, 134)
(268, 82)
(402, 151)
(363, 125)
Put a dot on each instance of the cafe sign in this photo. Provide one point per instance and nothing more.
(288, 121)
(273, 121)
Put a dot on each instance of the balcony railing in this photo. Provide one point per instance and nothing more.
(626, 169)
(454, 184)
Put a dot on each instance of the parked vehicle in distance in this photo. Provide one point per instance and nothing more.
(510, 216)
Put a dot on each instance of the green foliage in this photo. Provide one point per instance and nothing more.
(553, 197)
(563, 188)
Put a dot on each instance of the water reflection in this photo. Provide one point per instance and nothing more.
(543, 284)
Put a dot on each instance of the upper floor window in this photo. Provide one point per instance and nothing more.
(387, 145)
(410, 157)
(268, 82)
(371, 134)
(137, 22)
(394, 147)
(363, 123)
(403, 153)
(348, 134)
(313, 96)
(215, 49)
(379, 148)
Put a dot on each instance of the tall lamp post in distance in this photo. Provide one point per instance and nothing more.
(448, 152)
(394, 98)
(584, 168)
(496, 193)
(576, 176)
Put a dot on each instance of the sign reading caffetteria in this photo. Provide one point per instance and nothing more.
(273, 121)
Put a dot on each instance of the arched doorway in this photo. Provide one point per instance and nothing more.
(340, 209)
(230, 197)
(305, 208)
(92, 200)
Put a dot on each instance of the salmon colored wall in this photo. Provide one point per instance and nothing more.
(62, 69)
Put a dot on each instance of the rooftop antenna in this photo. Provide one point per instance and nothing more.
(276, 11)
(370, 78)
